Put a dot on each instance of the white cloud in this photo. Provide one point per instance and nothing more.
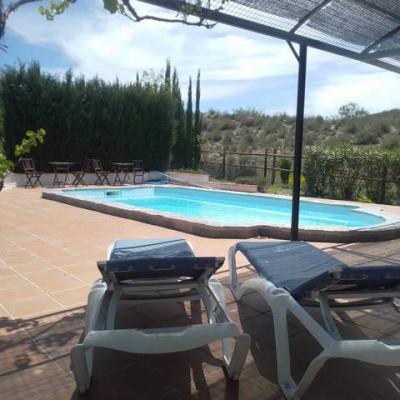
(375, 90)
(232, 61)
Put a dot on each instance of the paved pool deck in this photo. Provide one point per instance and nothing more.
(48, 254)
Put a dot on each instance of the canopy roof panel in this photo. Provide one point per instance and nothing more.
(365, 30)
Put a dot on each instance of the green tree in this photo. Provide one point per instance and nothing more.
(168, 73)
(88, 118)
(197, 125)
(352, 110)
(179, 149)
(189, 128)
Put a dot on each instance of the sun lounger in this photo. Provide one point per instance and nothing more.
(156, 270)
(295, 274)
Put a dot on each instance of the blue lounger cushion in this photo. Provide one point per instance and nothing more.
(150, 248)
(301, 268)
(157, 258)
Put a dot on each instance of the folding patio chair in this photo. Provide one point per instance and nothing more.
(138, 171)
(294, 275)
(101, 173)
(156, 270)
(31, 173)
(80, 174)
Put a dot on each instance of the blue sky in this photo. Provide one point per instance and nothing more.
(239, 69)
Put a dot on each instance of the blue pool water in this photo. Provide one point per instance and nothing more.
(231, 209)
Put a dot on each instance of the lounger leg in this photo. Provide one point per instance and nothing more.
(235, 287)
(80, 368)
(113, 308)
(279, 312)
(234, 357)
(312, 370)
(234, 361)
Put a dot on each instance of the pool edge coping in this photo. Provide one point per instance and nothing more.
(385, 232)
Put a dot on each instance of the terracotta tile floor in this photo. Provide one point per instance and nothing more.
(48, 254)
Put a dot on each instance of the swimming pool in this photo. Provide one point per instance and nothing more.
(231, 211)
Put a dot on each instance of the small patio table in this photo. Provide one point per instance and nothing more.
(122, 168)
(61, 167)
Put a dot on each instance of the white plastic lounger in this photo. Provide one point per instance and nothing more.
(291, 273)
(156, 270)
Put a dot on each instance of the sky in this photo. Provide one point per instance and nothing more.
(238, 69)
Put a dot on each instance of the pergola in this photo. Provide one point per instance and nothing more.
(364, 30)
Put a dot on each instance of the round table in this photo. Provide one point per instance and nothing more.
(121, 168)
(61, 167)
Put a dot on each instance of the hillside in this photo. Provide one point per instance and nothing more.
(252, 131)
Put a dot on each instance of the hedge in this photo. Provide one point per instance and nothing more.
(352, 172)
(88, 118)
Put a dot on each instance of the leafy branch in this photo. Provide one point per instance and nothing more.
(124, 7)
(6, 10)
(195, 10)
(32, 139)
(190, 13)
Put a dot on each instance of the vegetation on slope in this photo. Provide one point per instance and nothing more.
(252, 131)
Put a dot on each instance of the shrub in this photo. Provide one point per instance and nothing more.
(260, 181)
(350, 172)
(302, 181)
(5, 166)
(394, 174)
(285, 164)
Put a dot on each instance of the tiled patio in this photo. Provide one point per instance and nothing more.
(48, 252)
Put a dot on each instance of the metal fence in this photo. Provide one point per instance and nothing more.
(229, 165)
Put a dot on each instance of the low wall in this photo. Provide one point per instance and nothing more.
(19, 180)
(199, 179)
(235, 187)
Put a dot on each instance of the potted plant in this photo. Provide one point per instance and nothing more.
(5, 168)
(32, 139)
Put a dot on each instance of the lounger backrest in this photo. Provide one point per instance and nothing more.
(371, 277)
(155, 259)
(156, 268)
(303, 269)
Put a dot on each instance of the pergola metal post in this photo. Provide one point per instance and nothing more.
(298, 144)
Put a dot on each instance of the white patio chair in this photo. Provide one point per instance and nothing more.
(295, 274)
(157, 270)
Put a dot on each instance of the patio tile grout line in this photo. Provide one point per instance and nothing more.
(7, 312)
(33, 283)
(48, 261)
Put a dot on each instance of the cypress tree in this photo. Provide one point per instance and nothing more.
(87, 118)
(189, 128)
(197, 125)
(178, 152)
(168, 74)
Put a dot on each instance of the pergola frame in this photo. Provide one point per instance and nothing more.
(367, 55)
